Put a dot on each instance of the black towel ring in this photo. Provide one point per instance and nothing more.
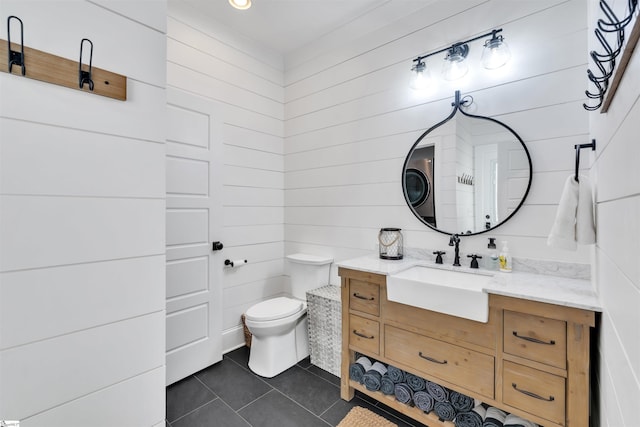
(578, 147)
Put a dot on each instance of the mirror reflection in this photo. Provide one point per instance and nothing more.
(467, 174)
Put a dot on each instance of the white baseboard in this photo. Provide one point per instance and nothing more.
(232, 339)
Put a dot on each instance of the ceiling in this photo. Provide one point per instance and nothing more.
(283, 26)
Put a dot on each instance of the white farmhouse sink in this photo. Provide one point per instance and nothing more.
(451, 292)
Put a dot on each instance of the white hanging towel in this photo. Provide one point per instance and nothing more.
(585, 224)
(574, 219)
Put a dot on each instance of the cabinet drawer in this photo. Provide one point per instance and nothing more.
(536, 338)
(439, 359)
(443, 326)
(364, 297)
(364, 334)
(534, 391)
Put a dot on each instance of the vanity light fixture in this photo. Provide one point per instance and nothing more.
(496, 54)
(240, 4)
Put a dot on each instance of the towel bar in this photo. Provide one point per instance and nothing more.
(578, 147)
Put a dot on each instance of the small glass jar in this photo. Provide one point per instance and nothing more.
(390, 240)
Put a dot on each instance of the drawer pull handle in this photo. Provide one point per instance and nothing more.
(369, 337)
(536, 396)
(357, 295)
(535, 340)
(431, 359)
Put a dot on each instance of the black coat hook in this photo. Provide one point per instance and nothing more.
(15, 57)
(85, 76)
(613, 23)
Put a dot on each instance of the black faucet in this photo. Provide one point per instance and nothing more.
(455, 241)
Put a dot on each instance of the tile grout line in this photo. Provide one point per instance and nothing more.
(194, 410)
(237, 412)
(382, 408)
(283, 394)
(254, 400)
(300, 405)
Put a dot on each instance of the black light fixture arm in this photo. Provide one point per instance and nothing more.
(493, 33)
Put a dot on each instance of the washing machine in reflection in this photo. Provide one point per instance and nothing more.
(419, 184)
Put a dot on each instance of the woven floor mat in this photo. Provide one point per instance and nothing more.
(362, 417)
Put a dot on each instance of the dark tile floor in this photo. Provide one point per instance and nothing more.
(228, 394)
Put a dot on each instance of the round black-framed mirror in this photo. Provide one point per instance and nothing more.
(478, 169)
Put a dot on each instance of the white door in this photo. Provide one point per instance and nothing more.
(194, 222)
(513, 177)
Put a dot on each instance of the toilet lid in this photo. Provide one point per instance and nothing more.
(272, 309)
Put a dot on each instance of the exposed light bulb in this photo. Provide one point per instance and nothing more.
(240, 4)
(420, 77)
(455, 66)
(495, 54)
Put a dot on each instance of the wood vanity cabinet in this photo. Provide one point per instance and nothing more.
(530, 358)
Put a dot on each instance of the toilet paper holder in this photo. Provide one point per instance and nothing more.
(235, 262)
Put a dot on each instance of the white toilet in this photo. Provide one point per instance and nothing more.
(279, 325)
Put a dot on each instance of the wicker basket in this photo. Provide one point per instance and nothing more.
(247, 333)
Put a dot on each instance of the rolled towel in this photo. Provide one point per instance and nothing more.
(403, 393)
(468, 419)
(461, 402)
(423, 401)
(416, 383)
(396, 375)
(480, 409)
(445, 411)
(387, 386)
(359, 368)
(372, 379)
(515, 421)
(439, 393)
(494, 418)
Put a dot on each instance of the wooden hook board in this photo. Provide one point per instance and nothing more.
(624, 61)
(60, 71)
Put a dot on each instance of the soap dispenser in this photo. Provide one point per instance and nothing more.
(505, 258)
(493, 259)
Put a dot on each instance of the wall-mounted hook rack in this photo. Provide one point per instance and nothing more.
(46, 67)
(466, 179)
(579, 147)
(606, 77)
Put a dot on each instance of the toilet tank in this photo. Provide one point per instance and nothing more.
(308, 272)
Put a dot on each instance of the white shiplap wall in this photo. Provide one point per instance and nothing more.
(350, 119)
(617, 258)
(82, 223)
(207, 59)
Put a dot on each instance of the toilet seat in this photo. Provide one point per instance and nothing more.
(273, 309)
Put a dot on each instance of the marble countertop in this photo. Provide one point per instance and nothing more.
(577, 293)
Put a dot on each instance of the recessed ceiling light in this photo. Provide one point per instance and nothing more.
(240, 4)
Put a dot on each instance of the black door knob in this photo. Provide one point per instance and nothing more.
(217, 246)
